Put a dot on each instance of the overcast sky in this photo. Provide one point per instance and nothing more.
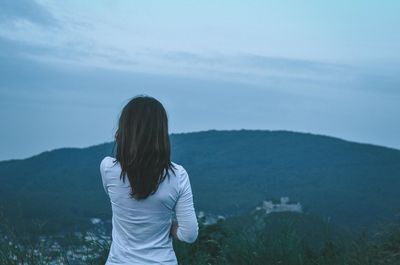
(324, 67)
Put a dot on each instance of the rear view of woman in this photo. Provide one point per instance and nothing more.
(145, 189)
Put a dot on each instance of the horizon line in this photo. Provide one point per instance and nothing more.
(205, 131)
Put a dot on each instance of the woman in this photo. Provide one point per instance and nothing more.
(145, 189)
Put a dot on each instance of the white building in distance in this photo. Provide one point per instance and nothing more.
(283, 206)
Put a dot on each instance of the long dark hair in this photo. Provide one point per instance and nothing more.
(142, 145)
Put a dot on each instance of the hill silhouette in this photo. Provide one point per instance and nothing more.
(231, 172)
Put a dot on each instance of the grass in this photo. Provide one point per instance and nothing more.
(277, 239)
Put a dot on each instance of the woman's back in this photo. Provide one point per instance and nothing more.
(141, 228)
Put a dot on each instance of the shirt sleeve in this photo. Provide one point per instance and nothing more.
(187, 230)
(103, 165)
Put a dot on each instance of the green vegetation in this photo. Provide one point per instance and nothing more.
(288, 239)
(252, 239)
(28, 245)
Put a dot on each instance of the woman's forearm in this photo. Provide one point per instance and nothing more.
(174, 229)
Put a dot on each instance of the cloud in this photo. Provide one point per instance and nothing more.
(87, 40)
(28, 10)
(91, 42)
(261, 68)
(243, 68)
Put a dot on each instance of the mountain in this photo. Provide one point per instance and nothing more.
(231, 172)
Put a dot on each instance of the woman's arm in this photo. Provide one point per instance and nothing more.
(186, 228)
(174, 228)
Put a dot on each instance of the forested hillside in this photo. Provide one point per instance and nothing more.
(231, 172)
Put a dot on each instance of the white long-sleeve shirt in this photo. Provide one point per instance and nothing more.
(141, 228)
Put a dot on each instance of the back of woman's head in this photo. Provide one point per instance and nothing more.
(143, 146)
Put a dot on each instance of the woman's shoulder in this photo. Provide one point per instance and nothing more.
(177, 168)
(107, 162)
(180, 172)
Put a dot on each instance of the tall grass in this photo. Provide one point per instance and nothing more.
(21, 246)
(286, 245)
(271, 240)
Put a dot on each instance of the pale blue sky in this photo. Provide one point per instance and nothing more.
(325, 67)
